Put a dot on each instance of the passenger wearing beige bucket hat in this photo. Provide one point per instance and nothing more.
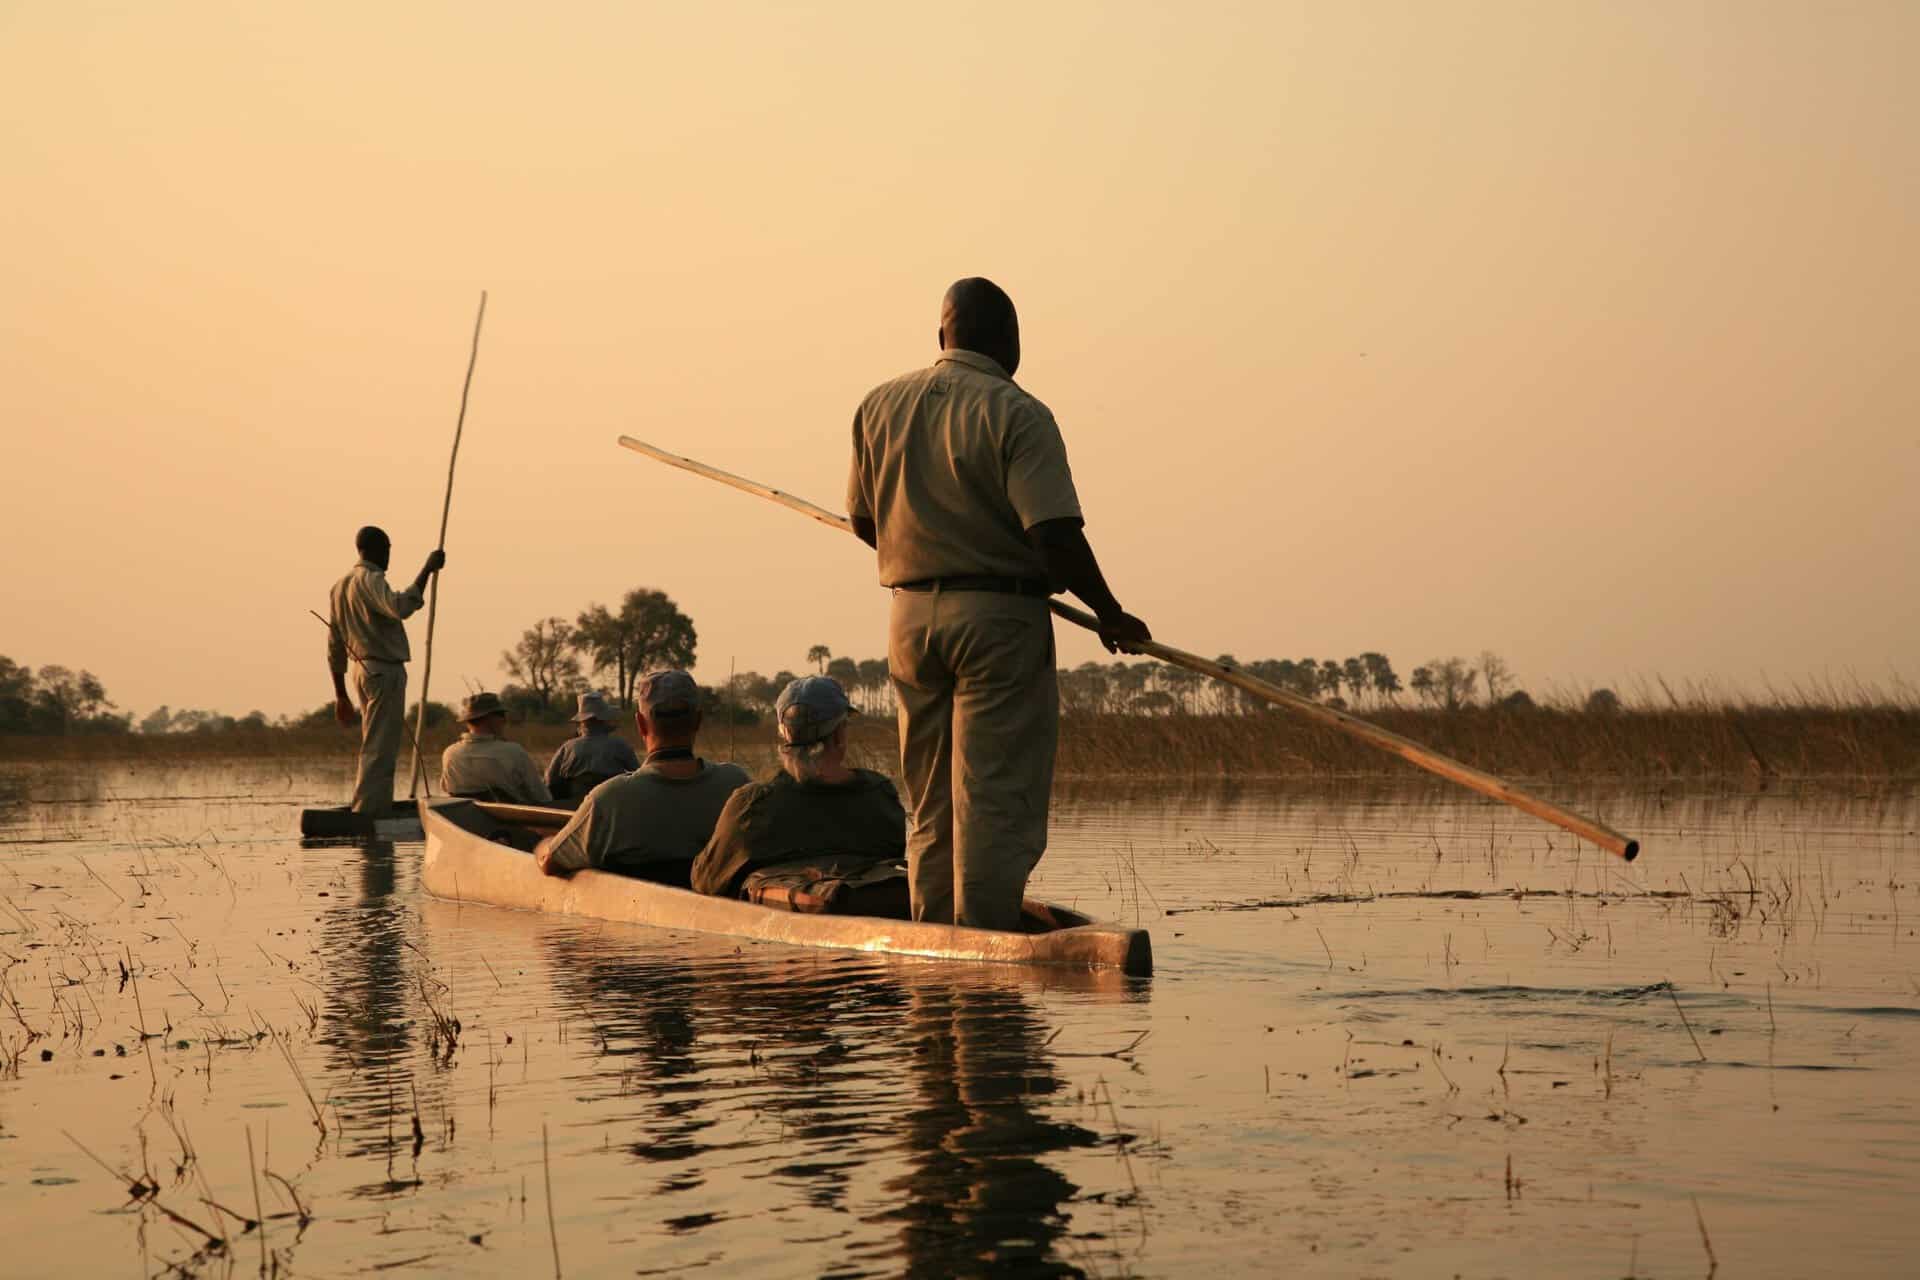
(483, 765)
(597, 755)
(650, 823)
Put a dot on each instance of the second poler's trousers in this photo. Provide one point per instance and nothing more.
(979, 719)
(383, 725)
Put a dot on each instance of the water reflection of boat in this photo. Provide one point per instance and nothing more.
(939, 1079)
(366, 1034)
(476, 853)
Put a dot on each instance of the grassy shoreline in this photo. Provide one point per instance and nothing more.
(1753, 745)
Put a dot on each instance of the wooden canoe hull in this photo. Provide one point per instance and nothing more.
(464, 866)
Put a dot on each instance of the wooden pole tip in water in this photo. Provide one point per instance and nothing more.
(1632, 850)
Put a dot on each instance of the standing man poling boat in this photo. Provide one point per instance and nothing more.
(960, 482)
(367, 626)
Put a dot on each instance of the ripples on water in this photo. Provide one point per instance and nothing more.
(1364, 1053)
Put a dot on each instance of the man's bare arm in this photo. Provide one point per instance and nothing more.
(343, 709)
(1071, 566)
(543, 858)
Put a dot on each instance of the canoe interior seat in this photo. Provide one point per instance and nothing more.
(826, 886)
(1044, 917)
(483, 824)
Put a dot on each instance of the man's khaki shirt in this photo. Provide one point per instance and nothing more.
(954, 464)
(367, 614)
(485, 765)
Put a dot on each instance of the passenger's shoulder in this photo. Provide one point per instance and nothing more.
(613, 789)
(747, 795)
(876, 780)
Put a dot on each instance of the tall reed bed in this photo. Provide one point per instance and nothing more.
(1753, 743)
(1750, 742)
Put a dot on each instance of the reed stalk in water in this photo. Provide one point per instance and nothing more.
(546, 1170)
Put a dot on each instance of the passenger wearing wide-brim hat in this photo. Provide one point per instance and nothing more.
(596, 755)
(483, 765)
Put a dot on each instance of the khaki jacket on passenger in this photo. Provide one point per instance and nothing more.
(492, 768)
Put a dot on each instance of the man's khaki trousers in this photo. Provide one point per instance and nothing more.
(979, 719)
(383, 722)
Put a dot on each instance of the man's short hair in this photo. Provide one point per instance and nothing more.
(371, 538)
(978, 313)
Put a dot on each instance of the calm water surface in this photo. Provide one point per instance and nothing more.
(1390, 1034)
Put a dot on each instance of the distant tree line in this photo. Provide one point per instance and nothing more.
(1364, 682)
(55, 700)
(868, 686)
(1361, 683)
(555, 660)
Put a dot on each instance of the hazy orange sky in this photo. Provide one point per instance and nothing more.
(1580, 332)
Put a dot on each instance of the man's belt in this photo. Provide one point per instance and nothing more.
(980, 582)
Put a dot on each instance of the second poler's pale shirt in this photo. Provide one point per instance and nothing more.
(481, 764)
(367, 616)
(954, 464)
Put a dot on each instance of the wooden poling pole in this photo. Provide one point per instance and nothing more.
(785, 499)
(433, 588)
(1385, 739)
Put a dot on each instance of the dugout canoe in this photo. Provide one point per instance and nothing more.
(468, 860)
(342, 823)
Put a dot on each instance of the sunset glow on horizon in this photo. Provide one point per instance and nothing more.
(1578, 333)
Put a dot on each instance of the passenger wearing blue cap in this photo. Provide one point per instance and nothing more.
(819, 836)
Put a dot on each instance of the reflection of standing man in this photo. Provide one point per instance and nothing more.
(977, 1138)
(366, 626)
(960, 482)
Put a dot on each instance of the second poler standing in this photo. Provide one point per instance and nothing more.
(960, 483)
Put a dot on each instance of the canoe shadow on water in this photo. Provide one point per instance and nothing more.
(733, 1081)
(729, 1081)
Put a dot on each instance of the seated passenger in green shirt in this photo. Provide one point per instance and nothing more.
(818, 836)
(650, 823)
